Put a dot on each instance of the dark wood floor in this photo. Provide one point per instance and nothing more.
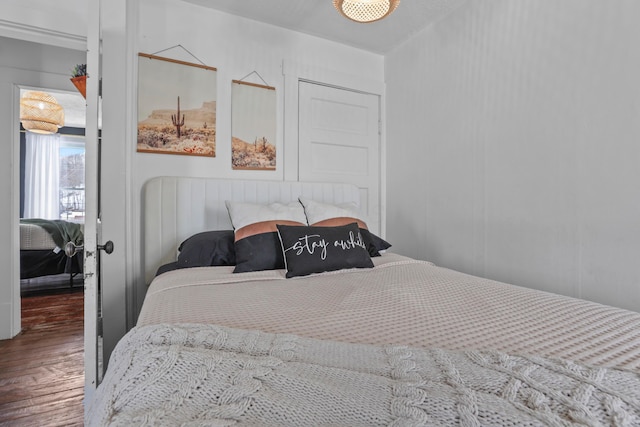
(42, 369)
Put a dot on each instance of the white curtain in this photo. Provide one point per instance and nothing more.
(42, 176)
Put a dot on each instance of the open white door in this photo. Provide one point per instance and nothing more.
(107, 308)
(92, 359)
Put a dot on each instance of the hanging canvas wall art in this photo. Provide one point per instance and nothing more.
(253, 126)
(176, 107)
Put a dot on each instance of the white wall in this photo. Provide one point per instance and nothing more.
(236, 47)
(521, 123)
(59, 23)
(29, 65)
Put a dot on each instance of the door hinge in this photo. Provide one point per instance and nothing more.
(100, 87)
(99, 327)
(379, 127)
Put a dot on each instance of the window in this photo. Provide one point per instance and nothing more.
(72, 178)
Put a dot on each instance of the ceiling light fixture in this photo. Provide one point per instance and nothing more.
(366, 10)
(40, 113)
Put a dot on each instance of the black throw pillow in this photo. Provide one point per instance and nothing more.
(209, 248)
(309, 249)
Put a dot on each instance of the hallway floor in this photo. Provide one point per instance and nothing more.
(42, 368)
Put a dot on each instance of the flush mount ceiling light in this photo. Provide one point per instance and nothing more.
(366, 10)
(40, 112)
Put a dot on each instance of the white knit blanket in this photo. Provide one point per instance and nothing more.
(195, 375)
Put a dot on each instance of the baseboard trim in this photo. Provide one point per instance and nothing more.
(7, 324)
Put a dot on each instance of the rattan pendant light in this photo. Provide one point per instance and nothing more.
(366, 10)
(40, 112)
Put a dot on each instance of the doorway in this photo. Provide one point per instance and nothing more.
(51, 299)
(51, 187)
(51, 201)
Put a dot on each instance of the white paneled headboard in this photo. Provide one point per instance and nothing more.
(175, 208)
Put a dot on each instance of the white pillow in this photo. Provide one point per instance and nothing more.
(325, 214)
(243, 214)
(329, 215)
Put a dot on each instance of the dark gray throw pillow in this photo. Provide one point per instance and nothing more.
(309, 249)
(259, 252)
(209, 248)
(257, 244)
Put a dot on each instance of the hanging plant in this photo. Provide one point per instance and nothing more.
(79, 70)
(79, 78)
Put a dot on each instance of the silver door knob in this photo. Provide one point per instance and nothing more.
(70, 249)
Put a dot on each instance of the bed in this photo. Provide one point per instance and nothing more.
(385, 341)
(42, 245)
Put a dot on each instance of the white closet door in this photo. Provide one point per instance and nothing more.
(339, 141)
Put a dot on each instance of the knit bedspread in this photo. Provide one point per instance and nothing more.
(400, 301)
(188, 374)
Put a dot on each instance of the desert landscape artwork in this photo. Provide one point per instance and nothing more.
(176, 107)
(253, 126)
